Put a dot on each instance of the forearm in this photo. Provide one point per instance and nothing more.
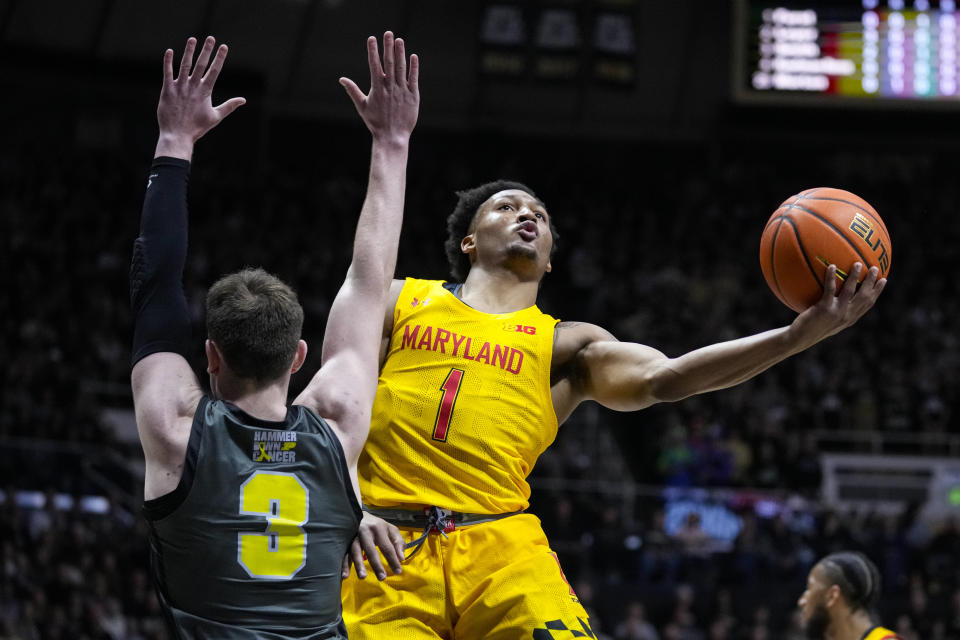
(628, 376)
(724, 364)
(378, 228)
(161, 319)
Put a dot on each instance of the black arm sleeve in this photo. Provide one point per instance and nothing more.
(161, 320)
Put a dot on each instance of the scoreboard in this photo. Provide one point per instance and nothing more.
(847, 51)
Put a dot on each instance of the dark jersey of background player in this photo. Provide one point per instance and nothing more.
(257, 499)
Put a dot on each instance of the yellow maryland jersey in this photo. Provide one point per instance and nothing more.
(463, 407)
(879, 633)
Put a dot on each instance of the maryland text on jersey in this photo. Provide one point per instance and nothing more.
(446, 341)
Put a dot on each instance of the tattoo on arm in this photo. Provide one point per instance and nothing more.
(563, 324)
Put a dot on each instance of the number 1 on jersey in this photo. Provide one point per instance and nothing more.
(451, 389)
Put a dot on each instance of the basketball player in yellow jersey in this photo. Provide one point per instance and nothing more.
(838, 604)
(474, 382)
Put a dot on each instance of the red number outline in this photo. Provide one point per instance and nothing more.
(451, 391)
(562, 576)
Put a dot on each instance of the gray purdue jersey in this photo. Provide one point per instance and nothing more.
(251, 542)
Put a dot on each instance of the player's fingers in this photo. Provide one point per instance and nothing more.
(872, 287)
(867, 292)
(187, 60)
(214, 71)
(389, 550)
(414, 76)
(353, 92)
(373, 557)
(168, 67)
(401, 547)
(388, 54)
(400, 63)
(356, 556)
(373, 60)
(203, 59)
(229, 107)
(850, 284)
(830, 282)
(345, 569)
(369, 544)
(868, 284)
(880, 286)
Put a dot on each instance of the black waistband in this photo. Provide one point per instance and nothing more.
(432, 520)
(432, 515)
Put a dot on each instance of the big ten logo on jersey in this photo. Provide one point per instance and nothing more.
(862, 227)
(274, 446)
(520, 328)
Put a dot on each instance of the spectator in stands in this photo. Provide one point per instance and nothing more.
(635, 625)
(659, 559)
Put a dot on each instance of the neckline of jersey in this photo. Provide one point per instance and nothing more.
(252, 421)
(453, 288)
(874, 628)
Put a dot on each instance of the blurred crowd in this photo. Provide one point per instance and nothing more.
(67, 574)
(663, 252)
(658, 244)
(643, 580)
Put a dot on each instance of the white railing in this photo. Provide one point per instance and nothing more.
(876, 441)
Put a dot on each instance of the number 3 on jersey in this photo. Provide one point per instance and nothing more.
(279, 552)
(451, 389)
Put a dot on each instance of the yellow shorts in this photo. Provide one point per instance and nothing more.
(495, 580)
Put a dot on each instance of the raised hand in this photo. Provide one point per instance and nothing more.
(186, 112)
(835, 312)
(391, 108)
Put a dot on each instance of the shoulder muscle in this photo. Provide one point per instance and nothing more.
(570, 339)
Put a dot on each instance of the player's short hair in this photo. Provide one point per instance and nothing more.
(857, 577)
(460, 221)
(256, 320)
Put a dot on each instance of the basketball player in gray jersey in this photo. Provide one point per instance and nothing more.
(253, 504)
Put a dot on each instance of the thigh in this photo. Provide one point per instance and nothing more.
(508, 585)
(409, 606)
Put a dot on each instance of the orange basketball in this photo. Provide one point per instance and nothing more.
(814, 229)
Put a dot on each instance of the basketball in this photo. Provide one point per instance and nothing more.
(814, 229)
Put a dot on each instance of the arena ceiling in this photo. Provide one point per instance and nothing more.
(299, 48)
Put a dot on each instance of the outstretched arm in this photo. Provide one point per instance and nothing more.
(628, 376)
(343, 390)
(165, 390)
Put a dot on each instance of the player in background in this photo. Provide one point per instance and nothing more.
(840, 599)
(252, 503)
(474, 382)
